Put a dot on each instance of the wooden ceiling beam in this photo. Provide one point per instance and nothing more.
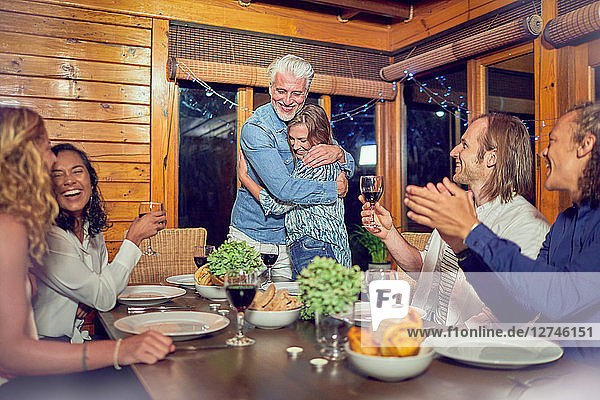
(384, 8)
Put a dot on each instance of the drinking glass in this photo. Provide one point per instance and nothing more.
(269, 255)
(240, 287)
(379, 274)
(145, 208)
(371, 187)
(201, 254)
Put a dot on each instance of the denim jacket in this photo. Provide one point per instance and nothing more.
(270, 164)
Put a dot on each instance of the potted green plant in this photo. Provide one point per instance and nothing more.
(373, 244)
(329, 288)
(232, 256)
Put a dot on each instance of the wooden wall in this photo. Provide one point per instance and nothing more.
(88, 74)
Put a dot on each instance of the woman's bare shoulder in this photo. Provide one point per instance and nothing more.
(11, 227)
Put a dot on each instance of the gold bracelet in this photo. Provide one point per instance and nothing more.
(83, 354)
(116, 355)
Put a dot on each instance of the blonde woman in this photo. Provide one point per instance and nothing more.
(27, 210)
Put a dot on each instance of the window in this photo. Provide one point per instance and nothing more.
(435, 123)
(354, 129)
(207, 150)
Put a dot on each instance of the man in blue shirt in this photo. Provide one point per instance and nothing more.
(565, 290)
(265, 146)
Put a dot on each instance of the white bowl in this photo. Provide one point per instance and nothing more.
(271, 319)
(391, 368)
(215, 293)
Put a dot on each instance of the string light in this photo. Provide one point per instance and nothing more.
(443, 101)
(209, 91)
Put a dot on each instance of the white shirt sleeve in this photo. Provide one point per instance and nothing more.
(84, 275)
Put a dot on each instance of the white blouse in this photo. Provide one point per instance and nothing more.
(75, 272)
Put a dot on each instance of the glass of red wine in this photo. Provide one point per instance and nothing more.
(269, 255)
(201, 254)
(145, 208)
(371, 187)
(240, 287)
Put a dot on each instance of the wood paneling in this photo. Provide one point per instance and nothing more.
(19, 64)
(42, 8)
(114, 236)
(102, 151)
(94, 131)
(163, 130)
(431, 18)
(122, 211)
(259, 17)
(131, 191)
(15, 85)
(83, 110)
(123, 171)
(19, 43)
(73, 30)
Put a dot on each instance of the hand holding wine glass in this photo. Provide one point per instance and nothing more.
(371, 187)
(240, 287)
(145, 208)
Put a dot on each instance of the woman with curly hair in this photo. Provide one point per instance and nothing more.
(27, 210)
(76, 276)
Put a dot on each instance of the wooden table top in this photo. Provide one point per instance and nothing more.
(264, 371)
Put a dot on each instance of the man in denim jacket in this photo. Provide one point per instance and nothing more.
(265, 146)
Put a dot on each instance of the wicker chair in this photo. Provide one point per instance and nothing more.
(176, 248)
(419, 240)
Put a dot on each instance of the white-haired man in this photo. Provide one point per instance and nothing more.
(265, 146)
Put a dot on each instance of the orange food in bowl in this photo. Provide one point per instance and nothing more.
(391, 339)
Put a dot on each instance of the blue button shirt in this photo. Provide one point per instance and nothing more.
(270, 164)
(565, 286)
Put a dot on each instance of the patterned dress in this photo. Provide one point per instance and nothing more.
(323, 222)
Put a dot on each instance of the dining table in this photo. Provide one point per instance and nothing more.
(266, 371)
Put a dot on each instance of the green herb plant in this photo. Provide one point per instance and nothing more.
(328, 287)
(372, 243)
(233, 256)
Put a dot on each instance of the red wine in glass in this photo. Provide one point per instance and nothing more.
(241, 296)
(371, 187)
(372, 196)
(200, 261)
(269, 260)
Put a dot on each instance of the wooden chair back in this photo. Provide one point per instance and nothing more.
(176, 248)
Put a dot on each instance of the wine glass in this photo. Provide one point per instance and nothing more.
(378, 274)
(145, 208)
(240, 287)
(269, 255)
(371, 187)
(201, 254)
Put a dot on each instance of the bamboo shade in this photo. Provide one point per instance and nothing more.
(519, 30)
(572, 26)
(247, 75)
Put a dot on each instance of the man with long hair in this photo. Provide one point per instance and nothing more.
(567, 291)
(494, 159)
(264, 143)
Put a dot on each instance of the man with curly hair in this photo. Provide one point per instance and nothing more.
(571, 248)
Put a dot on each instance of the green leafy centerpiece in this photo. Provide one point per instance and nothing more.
(328, 288)
(232, 256)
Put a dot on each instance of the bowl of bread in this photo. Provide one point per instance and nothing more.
(273, 309)
(207, 286)
(390, 353)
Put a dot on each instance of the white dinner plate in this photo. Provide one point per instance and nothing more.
(187, 280)
(179, 325)
(149, 295)
(498, 353)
